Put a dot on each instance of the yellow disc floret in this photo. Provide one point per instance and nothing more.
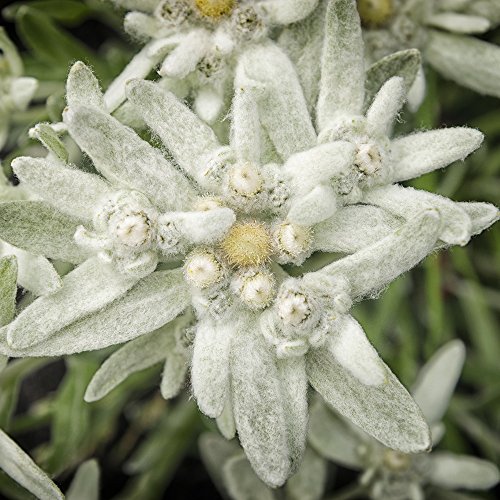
(215, 8)
(375, 12)
(247, 244)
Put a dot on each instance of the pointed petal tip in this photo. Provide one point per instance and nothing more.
(77, 66)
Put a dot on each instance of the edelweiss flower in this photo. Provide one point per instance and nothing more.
(16, 91)
(355, 159)
(253, 335)
(392, 475)
(224, 217)
(439, 29)
(197, 41)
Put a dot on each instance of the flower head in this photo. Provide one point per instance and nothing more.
(197, 41)
(191, 253)
(393, 475)
(441, 30)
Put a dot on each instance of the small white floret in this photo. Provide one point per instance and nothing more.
(292, 239)
(255, 288)
(245, 180)
(293, 308)
(202, 269)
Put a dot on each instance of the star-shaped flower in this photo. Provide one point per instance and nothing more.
(392, 475)
(182, 257)
(354, 157)
(218, 213)
(197, 41)
(441, 30)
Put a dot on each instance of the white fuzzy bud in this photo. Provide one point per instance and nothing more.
(133, 230)
(202, 269)
(128, 219)
(293, 308)
(206, 203)
(256, 288)
(292, 239)
(368, 159)
(245, 180)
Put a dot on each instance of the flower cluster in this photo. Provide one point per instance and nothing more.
(194, 248)
(384, 473)
(392, 475)
(196, 41)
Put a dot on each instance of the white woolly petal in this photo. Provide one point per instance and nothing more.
(22, 91)
(184, 58)
(353, 351)
(258, 405)
(458, 23)
(461, 471)
(373, 267)
(242, 482)
(87, 289)
(417, 154)
(139, 67)
(437, 380)
(318, 205)
(208, 104)
(69, 189)
(385, 107)
(334, 438)
(286, 11)
(416, 93)
(125, 159)
(342, 87)
(136, 355)
(35, 273)
(303, 43)
(85, 483)
(41, 229)
(173, 375)
(225, 421)
(404, 63)
(482, 215)
(292, 373)
(21, 468)
(245, 124)
(352, 228)
(283, 110)
(319, 164)
(387, 412)
(49, 138)
(405, 202)
(11, 54)
(201, 227)
(8, 292)
(182, 132)
(141, 25)
(210, 364)
(124, 319)
(82, 87)
(470, 62)
(309, 482)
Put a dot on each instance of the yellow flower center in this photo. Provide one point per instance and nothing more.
(247, 244)
(375, 12)
(215, 8)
